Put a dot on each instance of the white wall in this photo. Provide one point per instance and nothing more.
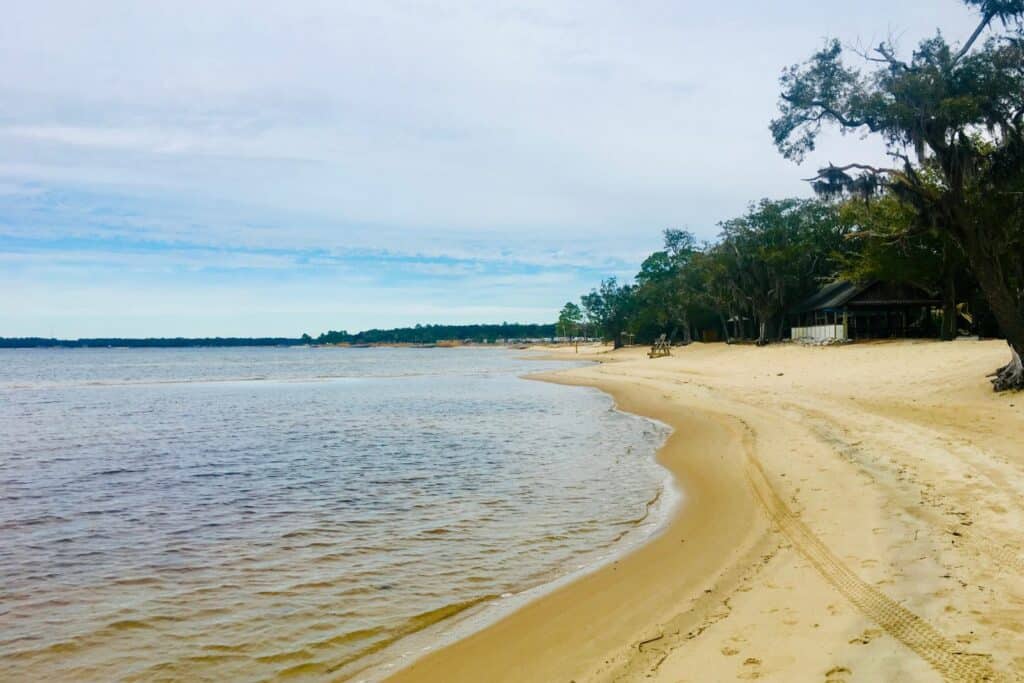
(818, 333)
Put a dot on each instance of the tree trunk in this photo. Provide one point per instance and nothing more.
(1002, 300)
(949, 315)
(762, 336)
(687, 339)
(1011, 375)
(725, 327)
(782, 326)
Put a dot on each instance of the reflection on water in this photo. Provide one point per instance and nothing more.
(252, 513)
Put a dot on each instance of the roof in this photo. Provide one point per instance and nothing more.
(834, 295)
(843, 293)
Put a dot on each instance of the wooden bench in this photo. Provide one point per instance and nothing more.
(661, 348)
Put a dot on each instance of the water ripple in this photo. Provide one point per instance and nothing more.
(164, 519)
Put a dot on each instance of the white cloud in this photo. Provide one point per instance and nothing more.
(561, 134)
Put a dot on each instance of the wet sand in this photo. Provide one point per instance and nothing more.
(850, 514)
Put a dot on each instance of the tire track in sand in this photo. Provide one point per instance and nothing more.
(944, 655)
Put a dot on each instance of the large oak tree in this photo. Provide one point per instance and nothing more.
(951, 111)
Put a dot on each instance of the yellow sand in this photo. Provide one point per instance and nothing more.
(851, 514)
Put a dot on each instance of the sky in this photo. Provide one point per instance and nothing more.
(266, 168)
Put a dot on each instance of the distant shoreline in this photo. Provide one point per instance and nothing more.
(239, 343)
(420, 335)
(154, 342)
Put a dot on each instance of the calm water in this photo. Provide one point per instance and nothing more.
(255, 514)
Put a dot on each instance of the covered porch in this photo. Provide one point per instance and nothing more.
(846, 310)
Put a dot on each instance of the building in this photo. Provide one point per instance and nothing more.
(847, 310)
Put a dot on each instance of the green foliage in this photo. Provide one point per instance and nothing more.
(431, 334)
(765, 261)
(668, 294)
(1005, 10)
(952, 118)
(888, 247)
(680, 244)
(833, 90)
(940, 104)
(570, 320)
(779, 253)
(610, 307)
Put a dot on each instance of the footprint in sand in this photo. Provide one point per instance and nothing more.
(838, 674)
(866, 637)
(750, 670)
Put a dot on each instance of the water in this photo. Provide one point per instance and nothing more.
(254, 514)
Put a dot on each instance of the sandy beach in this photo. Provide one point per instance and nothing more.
(851, 514)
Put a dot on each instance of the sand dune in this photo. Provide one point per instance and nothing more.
(851, 514)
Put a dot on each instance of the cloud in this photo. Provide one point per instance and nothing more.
(477, 138)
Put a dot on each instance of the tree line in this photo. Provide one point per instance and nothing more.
(747, 283)
(947, 215)
(419, 334)
(432, 334)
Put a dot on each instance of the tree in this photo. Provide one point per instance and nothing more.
(610, 307)
(777, 254)
(892, 245)
(954, 112)
(713, 268)
(569, 319)
(680, 244)
(666, 288)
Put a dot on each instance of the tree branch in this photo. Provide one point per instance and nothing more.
(860, 167)
(985, 19)
(826, 109)
(888, 56)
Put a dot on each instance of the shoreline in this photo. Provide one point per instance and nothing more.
(760, 574)
(600, 615)
(305, 609)
(658, 513)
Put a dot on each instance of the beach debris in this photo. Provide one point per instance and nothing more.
(810, 341)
